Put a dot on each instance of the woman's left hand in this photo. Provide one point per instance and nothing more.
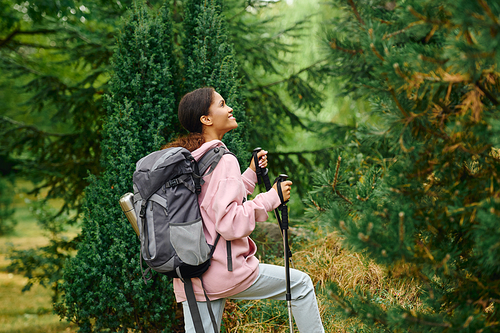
(262, 156)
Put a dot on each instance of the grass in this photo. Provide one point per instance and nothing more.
(29, 311)
(327, 262)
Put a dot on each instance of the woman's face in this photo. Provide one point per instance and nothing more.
(221, 115)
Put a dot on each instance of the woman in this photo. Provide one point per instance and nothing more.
(224, 210)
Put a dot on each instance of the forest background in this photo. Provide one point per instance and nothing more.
(384, 113)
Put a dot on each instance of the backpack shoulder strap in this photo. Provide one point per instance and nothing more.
(193, 307)
(211, 159)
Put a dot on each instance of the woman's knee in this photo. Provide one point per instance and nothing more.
(303, 282)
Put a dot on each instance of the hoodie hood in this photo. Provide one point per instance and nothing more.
(198, 153)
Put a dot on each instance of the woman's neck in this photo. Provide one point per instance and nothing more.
(210, 136)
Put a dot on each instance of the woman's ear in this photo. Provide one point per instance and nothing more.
(205, 120)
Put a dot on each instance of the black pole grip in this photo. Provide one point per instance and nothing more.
(262, 174)
(258, 169)
(281, 178)
(283, 220)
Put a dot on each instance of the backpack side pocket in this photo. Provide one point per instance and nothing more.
(189, 242)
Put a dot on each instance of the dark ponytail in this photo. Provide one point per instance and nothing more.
(191, 107)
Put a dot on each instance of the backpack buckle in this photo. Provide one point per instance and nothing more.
(142, 213)
(173, 182)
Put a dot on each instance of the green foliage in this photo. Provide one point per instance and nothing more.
(422, 194)
(56, 60)
(56, 54)
(7, 221)
(103, 286)
(281, 83)
(209, 60)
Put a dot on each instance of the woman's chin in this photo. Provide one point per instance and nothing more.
(231, 127)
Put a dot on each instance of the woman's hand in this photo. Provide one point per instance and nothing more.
(286, 186)
(261, 155)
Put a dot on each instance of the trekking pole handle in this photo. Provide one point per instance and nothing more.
(283, 221)
(283, 208)
(262, 173)
(281, 178)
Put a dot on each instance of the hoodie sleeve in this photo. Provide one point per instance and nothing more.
(249, 178)
(225, 201)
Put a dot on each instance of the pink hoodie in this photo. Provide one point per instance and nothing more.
(225, 211)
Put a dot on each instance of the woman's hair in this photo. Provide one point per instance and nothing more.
(191, 107)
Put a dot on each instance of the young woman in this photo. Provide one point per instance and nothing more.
(225, 210)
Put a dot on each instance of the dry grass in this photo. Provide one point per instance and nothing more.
(326, 262)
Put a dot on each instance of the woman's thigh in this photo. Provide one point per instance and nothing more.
(271, 284)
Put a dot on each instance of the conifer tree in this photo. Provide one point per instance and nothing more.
(103, 285)
(424, 198)
(280, 93)
(209, 60)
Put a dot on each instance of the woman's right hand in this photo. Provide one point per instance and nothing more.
(286, 186)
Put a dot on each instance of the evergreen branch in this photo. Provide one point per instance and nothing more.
(399, 71)
(468, 36)
(72, 29)
(355, 10)
(374, 50)
(368, 195)
(291, 28)
(429, 59)
(395, 33)
(362, 199)
(349, 309)
(488, 11)
(333, 45)
(431, 33)
(241, 12)
(422, 17)
(335, 179)
(342, 196)
(400, 107)
(320, 209)
(20, 32)
(401, 142)
(305, 69)
(487, 93)
(428, 323)
(39, 46)
(18, 66)
(21, 125)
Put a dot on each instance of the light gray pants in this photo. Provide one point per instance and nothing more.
(270, 284)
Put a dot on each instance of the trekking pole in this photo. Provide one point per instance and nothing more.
(284, 231)
(283, 223)
(263, 176)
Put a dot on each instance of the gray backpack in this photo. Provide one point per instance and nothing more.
(166, 187)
